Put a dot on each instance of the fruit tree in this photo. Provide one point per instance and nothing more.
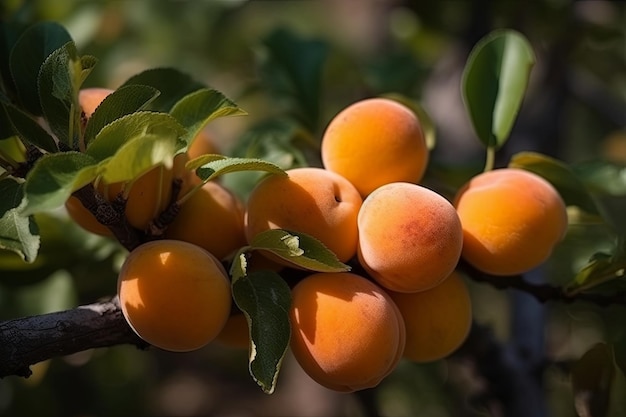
(348, 246)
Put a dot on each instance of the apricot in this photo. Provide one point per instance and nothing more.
(437, 320)
(212, 218)
(90, 98)
(202, 144)
(347, 334)
(174, 295)
(374, 142)
(410, 237)
(148, 196)
(235, 333)
(309, 200)
(84, 218)
(511, 218)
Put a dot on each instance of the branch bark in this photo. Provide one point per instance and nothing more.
(29, 340)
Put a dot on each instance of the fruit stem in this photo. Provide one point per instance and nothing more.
(189, 193)
(490, 159)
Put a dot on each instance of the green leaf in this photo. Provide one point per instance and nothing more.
(292, 67)
(494, 84)
(300, 249)
(173, 85)
(197, 109)
(209, 167)
(12, 149)
(18, 233)
(138, 155)
(601, 268)
(599, 384)
(602, 177)
(265, 299)
(567, 183)
(28, 54)
(58, 83)
(121, 102)
(143, 123)
(54, 177)
(29, 130)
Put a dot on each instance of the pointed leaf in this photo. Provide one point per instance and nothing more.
(121, 102)
(293, 67)
(197, 109)
(53, 179)
(265, 299)
(18, 233)
(173, 85)
(211, 166)
(494, 84)
(300, 249)
(58, 83)
(601, 268)
(29, 130)
(598, 383)
(570, 187)
(27, 56)
(138, 155)
(115, 134)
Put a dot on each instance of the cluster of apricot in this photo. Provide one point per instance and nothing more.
(404, 296)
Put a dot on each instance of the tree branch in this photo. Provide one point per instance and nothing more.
(29, 340)
(542, 292)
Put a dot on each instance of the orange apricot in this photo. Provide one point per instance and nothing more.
(437, 320)
(147, 197)
(202, 144)
(410, 237)
(309, 200)
(90, 98)
(374, 142)
(211, 218)
(347, 334)
(174, 295)
(235, 333)
(84, 218)
(511, 218)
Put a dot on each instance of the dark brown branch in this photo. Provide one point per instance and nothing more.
(542, 292)
(29, 340)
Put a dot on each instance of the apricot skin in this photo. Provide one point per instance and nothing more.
(310, 200)
(347, 334)
(437, 320)
(174, 295)
(211, 218)
(90, 98)
(511, 218)
(374, 142)
(410, 237)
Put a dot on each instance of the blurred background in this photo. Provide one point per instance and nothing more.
(292, 65)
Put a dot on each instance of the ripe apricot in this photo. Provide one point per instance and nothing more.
(235, 333)
(511, 218)
(148, 196)
(410, 237)
(211, 218)
(84, 218)
(90, 98)
(174, 295)
(309, 200)
(374, 142)
(202, 144)
(347, 334)
(437, 320)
